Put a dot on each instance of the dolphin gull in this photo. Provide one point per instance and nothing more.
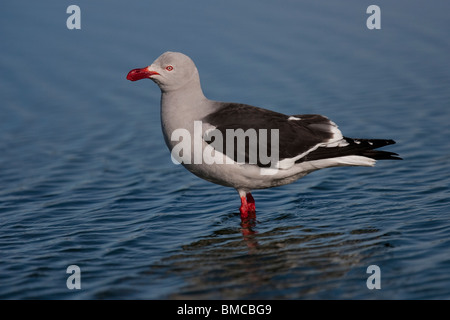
(204, 136)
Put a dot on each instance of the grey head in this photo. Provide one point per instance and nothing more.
(170, 71)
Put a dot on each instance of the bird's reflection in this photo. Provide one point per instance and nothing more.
(246, 262)
(248, 226)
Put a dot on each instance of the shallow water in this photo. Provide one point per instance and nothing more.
(87, 180)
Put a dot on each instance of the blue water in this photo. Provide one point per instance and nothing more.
(86, 178)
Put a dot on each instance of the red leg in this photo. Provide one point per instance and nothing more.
(250, 203)
(244, 208)
(247, 208)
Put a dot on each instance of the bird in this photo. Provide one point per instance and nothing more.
(204, 135)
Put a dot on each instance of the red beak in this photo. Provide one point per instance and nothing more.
(138, 74)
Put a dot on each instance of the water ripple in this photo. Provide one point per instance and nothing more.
(86, 178)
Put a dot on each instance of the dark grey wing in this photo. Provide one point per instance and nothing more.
(296, 134)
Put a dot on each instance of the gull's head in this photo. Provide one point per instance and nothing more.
(172, 70)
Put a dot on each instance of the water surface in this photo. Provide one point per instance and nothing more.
(86, 178)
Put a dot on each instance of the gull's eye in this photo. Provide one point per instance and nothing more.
(169, 68)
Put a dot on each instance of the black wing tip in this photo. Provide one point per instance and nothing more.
(370, 143)
(361, 147)
(390, 141)
(395, 156)
(381, 155)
